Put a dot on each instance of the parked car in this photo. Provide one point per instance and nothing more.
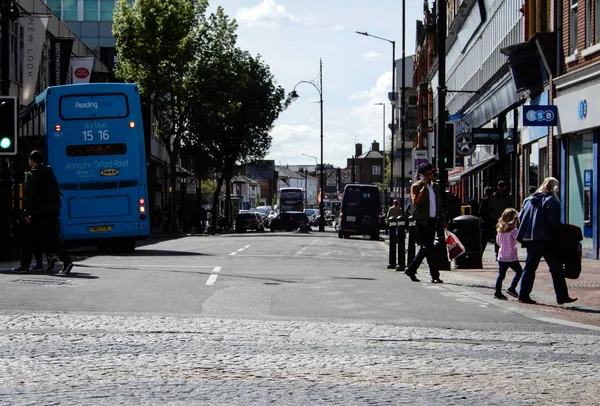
(248, 220)
(288, 221)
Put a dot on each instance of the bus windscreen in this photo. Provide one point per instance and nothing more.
(93, 106)
(97, 149)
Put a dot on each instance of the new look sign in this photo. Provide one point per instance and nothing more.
(540, 116)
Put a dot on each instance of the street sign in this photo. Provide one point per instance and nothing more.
(331, 177)
(464, 144)
(190, 185)
(486, 136)
(540, 116)
(345, 175)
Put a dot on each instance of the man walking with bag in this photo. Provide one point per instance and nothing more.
(428, 214)
(41, 208)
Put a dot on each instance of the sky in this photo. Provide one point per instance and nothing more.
(291, 36)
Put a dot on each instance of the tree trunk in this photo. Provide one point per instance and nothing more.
(215, 207)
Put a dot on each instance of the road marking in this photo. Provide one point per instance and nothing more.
(212, 279)
(240, 250)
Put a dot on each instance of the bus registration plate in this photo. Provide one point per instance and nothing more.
(99, 229)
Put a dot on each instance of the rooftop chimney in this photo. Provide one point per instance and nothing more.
(375, 146)
(358, 149)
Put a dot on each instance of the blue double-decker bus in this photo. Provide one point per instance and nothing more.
(95, 144)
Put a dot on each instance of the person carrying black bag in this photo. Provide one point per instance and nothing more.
(539, 225)
(41, 208)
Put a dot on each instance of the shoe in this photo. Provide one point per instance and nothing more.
(438, 280)
(51, 264)
(567, 300)
(66, 269)
(512, 292)
(499, 295)
(412, 276)
(527, 300)
(21, 269)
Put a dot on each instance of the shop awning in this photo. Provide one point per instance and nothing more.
(473, 169)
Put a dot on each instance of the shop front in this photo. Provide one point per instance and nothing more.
(578, 129)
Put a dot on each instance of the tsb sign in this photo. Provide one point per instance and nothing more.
(541, 116)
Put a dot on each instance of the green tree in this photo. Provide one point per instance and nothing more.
(237, 102)
(155, 40)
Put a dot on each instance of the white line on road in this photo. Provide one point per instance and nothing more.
(240, 250)
(212, 279)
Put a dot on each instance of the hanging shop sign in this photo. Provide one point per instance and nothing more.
(540, 116)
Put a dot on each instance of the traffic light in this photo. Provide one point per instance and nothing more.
(8, 125)
(449, 153)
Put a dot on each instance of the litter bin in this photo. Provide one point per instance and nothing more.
(468, 232)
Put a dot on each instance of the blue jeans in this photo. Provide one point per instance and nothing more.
(536, 250)
(502, 268)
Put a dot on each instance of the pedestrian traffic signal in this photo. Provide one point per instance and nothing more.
(8, 125)
(449, 152)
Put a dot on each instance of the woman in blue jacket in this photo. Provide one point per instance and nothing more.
(539, 223)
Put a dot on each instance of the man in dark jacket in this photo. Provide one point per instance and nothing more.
(41, 208)
(428, 215)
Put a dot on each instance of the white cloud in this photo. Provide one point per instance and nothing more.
(381, 88)
(371, 55)
(337, 28)
(266, 14)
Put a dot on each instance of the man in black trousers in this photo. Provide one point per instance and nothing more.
(428, 214)
(41, 208)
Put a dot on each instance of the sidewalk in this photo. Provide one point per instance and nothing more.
(585, 310)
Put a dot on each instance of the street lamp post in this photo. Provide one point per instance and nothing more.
(366, 34)
(294, 96)
(385, 190)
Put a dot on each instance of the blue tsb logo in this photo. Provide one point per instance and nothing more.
(583, 109)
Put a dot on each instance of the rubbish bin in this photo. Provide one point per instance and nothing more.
(468, 232)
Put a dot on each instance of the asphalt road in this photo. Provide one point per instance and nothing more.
(280, 318)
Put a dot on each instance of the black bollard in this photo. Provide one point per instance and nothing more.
(393, 232)
(412, 240)
(401, 244)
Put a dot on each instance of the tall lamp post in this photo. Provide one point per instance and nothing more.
(385, 191)
(315, 158)
(393, 109)
(294, 96)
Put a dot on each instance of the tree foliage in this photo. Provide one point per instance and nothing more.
(155, 41)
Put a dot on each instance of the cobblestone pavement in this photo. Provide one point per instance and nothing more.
(127, 360)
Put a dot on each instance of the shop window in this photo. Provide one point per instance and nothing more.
(533, 167)
(580, 157)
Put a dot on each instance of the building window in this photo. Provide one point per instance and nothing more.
(90, 10)
(55, 5)
(376, 170)
(597, 21)
(573, 28)
(588, 23)
(69, 10)
(107, 8)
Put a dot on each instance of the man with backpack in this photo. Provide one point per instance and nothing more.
(41, 208)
